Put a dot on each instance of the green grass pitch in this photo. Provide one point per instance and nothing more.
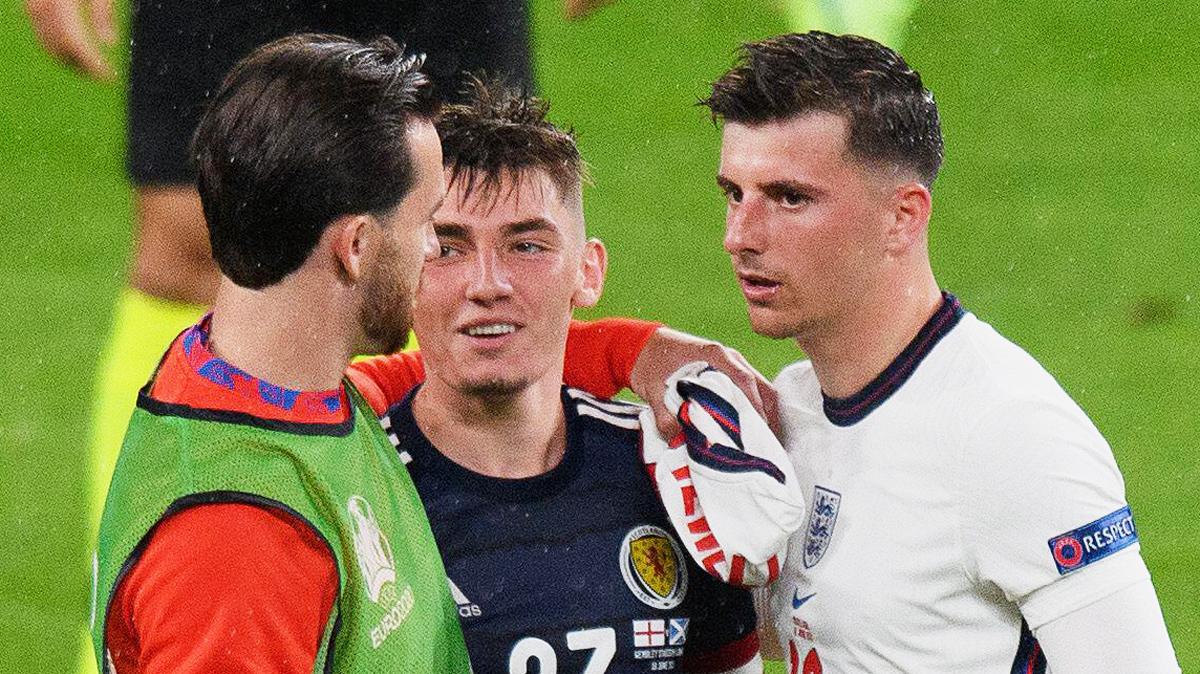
(1065, 216)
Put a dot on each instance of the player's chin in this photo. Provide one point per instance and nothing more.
(770, 323)
(494, 385)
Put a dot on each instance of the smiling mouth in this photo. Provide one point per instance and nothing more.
(490, 330)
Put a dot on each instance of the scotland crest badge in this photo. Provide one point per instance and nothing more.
(821, 519)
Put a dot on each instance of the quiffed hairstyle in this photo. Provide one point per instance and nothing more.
(891, 116)
(498, 131)
(303, 130)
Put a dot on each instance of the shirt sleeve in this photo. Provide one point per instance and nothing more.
(601, 354)
(1039, 480)
(1075, 643)
(384, 380)
(224, 587)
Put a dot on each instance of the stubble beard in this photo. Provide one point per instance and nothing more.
(386, 313)
(494, 388)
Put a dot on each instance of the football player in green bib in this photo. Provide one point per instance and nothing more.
(258, 518)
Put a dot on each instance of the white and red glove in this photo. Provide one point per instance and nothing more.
(726, 482)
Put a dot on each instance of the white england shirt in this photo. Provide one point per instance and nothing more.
(957, 502)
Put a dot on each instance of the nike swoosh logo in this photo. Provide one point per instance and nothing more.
(798, 601)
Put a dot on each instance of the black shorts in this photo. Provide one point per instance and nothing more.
(181, 49)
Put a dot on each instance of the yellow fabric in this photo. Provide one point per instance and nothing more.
(86, 658)
(142, 329)
(410, 345)
(884, 21)
(143, 326)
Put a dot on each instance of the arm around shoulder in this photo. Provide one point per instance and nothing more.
(601, 354)
(385, 380)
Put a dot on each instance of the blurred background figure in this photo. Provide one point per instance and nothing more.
(179, 52)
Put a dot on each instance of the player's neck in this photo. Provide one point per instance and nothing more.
(851, 353)
(507, 436)
(277, 334)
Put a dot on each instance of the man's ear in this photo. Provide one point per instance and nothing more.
(911, 206)
(593, 267)
(351, 242)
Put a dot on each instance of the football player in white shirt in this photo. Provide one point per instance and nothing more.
(966, 516)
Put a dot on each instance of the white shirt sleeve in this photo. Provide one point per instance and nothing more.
(1037, 471)
(1081, 642)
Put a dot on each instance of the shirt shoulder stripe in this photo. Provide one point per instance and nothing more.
(620, 421)
(616, 407)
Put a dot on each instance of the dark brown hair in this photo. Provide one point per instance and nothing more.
(303, 130)
(892, 117)
(496, 131)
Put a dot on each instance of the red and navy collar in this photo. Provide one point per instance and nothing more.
(854, 408)
(192, 381)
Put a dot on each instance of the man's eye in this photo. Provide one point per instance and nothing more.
(445, 250)
(529, 247)
(733, 195)
(793, 198)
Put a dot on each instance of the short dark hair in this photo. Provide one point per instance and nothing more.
(303, 130)
(892, 117)
(498, 130)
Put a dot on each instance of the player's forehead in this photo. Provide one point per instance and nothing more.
(804, 147)
(518, 202)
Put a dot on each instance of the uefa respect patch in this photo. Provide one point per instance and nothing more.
(1091, 542)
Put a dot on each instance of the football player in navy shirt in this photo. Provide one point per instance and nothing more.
(560, 555)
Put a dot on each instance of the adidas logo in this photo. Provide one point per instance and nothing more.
(466, 607)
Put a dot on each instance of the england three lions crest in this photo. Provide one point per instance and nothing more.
(371, 547)
(821, 519)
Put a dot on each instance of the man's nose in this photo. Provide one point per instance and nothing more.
(490, 279)
(744, 222)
